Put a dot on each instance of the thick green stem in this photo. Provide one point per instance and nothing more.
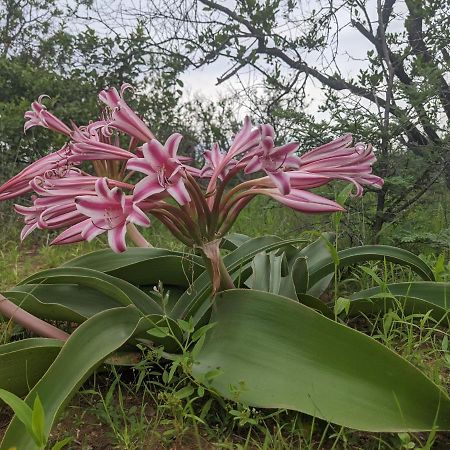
(30, 322)
(221, 279)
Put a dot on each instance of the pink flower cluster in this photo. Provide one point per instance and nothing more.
(85, 187)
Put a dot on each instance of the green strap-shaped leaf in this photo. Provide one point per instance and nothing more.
(68, 302)
(232, 241)
(266, 272)
(144, 265)
(23, 363)
(414, 297)
(316, 254)
(119, 290)
(194, 302)
(354, 255)
(272, 352)
(90, 344)
(300, 275)
(267, 277)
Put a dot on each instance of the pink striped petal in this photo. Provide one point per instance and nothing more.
(116, 238)
(91, 231)
(172, 143)
(155, 153)
(307, 202)
(138, 217)
(94, 207)
(284, 150)
(254, 165)
(267, 130)
(281, 181)
(110, 97)
(72, 234)
(140, 165)
(179, 192)
(27, 229)
(101, 187)
(147, 187)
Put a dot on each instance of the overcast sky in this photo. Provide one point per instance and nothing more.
(352, 56)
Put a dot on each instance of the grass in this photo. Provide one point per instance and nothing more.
(142, 407)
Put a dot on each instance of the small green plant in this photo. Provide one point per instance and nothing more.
(33, 419)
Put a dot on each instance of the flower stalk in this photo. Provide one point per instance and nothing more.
(220, 277)
(32, 323)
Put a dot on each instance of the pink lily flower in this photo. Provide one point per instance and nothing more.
(72, 234)
(48, 213)
(305, 201)
(110, 210)
(246, 139)
(31, 217)
(123, 118)
(55, 209)
(163, 169)
(56, 163)
(95, 150)
(275, 161)
(39, 116)
(88, 146)
(213, 159)
(337, 160)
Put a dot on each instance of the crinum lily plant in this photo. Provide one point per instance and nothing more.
(250, 322)
(198, 206)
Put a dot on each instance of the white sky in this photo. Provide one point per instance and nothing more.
(352, 57)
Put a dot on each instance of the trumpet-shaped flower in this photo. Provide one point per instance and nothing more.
(305, 201)
(163, 169)
(122, 117)
(110, 210)
(339, 160)
(275, 161)
(56, 163)
(39, 116)
(213, 159)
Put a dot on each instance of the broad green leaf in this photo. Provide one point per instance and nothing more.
(22, 363)
(267, 277)
(86, 348)
(354, 255)
(68, 302)
(144, 265)
(119, 290)
(273, 352)
(413, 297)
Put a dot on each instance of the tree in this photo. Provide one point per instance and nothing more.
(398, 98)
